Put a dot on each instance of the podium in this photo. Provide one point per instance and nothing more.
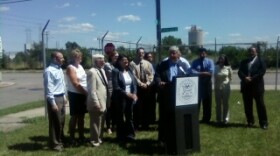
(186, 115)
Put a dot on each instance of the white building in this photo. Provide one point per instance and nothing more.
(195, 36)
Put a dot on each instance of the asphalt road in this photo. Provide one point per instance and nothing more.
(28, 87)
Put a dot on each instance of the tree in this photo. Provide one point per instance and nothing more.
(20, 58)
(234, 54)
(71, 45)
(170, 41)
(5, 61)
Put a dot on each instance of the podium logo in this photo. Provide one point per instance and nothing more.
(187, 92)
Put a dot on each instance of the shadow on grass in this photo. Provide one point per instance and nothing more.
(25, 147)
(38, 143)
(230, 125)
(39, 138)
(139, 146)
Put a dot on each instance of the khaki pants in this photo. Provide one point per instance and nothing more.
(56, 122)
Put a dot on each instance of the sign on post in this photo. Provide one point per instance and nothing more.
(169, 29)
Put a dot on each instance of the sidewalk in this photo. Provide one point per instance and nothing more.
(15, 121)
(6, 84)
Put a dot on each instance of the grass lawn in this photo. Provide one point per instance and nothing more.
(234, 139)
(23, 107)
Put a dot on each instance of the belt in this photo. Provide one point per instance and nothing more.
(59, 95)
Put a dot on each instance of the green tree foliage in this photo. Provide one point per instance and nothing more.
(71, 45)
(4, 62)
(234, 54)
(20, 57)
(86, 59)
(270, 57)
(35, 56)
(131, 54)
(170, 41)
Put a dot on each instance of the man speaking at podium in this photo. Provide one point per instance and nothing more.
(166, 71)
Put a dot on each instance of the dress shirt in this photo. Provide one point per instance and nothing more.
(208, 66)
(54, 82)
(173, 70)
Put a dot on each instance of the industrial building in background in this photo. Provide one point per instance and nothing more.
(195, 36)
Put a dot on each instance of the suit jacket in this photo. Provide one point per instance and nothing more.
(256, 71)
(119, 86)
(148, 69)
(163, 74)
(97, 90)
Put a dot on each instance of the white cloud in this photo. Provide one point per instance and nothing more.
(235, 35)
(116, 35)
(136, 4)
(188, 28)
(132, 18)
(74, 28)
(205, 33)
(3, 9)
(69, 19)
(65, 5)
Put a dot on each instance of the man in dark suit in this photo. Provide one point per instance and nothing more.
(166, 71)
(251, 72)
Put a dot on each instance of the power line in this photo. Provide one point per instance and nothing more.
(16, 1)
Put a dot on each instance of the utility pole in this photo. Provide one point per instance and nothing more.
(137, 43)
(44, 60)
(43, 44)
(47, 39)
(102, 41)
(158, 27)
(277, 63)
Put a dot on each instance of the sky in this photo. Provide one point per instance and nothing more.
(86, 21)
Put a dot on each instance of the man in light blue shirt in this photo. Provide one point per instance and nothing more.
(203, 67)
(55, 93)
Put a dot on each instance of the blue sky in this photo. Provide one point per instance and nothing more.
(83, 21)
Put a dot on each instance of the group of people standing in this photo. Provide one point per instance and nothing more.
(121, 93)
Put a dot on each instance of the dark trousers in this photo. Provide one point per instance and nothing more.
(166, 123)
(248, 97)
(56, 122)
(125, 127)
(207, 108)
(110, 116)
(205, 97)
(144, 109)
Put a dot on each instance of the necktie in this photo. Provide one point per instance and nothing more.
(250, 65)
(103, 77)
(201, 65)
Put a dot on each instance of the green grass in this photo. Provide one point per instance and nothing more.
(234, 139)
(20, 108)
